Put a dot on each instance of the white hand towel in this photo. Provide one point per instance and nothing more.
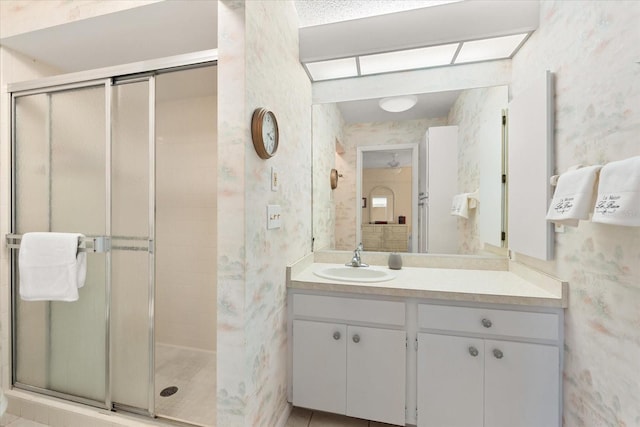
(618, 200)
(51, 267)
(460, 205)
(574, 196)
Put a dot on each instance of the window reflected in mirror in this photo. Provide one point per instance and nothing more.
(382, 204)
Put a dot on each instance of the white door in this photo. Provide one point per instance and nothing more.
(450, 381)
(521, 385)
(423, 196)
(319, 366)
(376, 374)
(442, 185)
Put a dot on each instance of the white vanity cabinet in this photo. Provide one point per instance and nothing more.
(488, 367)
(339, 365)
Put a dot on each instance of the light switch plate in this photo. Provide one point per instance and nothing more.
(274, 217)
(274, 179)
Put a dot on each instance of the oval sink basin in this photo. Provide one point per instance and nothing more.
(355, 274)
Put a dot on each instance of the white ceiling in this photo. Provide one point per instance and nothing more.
(319, 12)
(152, 31)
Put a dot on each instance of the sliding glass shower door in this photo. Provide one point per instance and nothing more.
(132, 241)
(60, 185)
(83, 162)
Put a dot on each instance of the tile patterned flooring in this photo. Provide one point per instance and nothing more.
(306, 418)
(9, 420)
(194, 373)
(299, 418)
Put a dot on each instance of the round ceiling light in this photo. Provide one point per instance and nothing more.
(398, 104)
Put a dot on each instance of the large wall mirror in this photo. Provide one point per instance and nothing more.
(373, 150)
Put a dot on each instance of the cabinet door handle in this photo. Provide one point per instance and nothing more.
(356, 338)
(486, 323)
(336, 335)
(497, 353)
(473, 351)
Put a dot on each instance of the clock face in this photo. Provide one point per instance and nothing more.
(269, 133)
(264, 133)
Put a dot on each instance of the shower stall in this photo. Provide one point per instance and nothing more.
(128, 160)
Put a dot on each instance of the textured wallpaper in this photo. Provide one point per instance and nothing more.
(592, 49)
(328, 126)
(265, 70)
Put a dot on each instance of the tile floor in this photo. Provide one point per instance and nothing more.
(10, 420)
(307, 418)
(299, 418)
(194, 373)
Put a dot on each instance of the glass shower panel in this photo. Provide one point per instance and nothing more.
(60, 185)
(131, 261)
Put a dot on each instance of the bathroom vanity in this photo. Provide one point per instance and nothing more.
(431, 346)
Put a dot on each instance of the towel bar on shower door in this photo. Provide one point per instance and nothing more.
(94, 244)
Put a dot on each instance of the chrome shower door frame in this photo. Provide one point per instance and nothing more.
(105, 83)
(107, 77)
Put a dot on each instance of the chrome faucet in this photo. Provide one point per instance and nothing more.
(356, 260)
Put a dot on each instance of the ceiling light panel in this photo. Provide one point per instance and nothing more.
(408, 59)
(487, 49)
(333, 69)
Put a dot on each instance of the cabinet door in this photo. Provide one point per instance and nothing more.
(319, 366)
(376, 374)
(521, 384)
(450, 381)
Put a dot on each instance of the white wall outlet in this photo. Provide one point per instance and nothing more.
(274, 179)
(274, 217)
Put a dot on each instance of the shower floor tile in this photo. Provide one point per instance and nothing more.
(194, 373)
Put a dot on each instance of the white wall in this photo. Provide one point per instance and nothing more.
(186, 155)
(22, 16)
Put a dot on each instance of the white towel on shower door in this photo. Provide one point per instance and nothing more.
(51, 267)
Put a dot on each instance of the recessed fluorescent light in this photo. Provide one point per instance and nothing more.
(408, 59)
(333, 69)
(484, 50)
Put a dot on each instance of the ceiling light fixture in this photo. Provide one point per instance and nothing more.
(398, 104)
(490, 49)
(408, 59)
(332, 69)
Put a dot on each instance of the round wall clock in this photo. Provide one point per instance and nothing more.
(264, 132)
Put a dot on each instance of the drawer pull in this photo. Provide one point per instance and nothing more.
(473, 351)
(497, 354)
(336, 335)
(356, 338)
(486, 323)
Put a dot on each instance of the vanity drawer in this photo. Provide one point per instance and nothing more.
(489, 321)
(349, 309)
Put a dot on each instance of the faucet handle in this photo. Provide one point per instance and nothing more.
(360, 247)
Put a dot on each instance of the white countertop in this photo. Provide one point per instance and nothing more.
(490, 286)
